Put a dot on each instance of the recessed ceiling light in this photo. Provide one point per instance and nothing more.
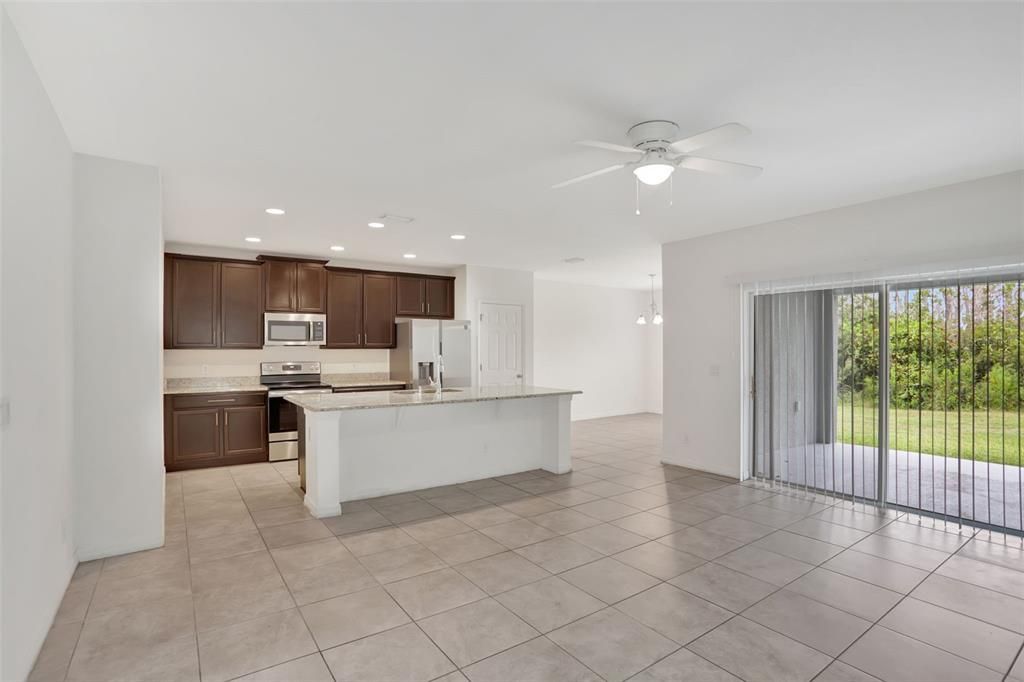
(337, 248)
(408, 255)
(254, 240)
(458, 237)
(376, 224)
(275, 211)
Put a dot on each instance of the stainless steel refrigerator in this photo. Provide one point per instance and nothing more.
(428, 351)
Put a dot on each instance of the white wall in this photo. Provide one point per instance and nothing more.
(119, 411)
(495, 285)
(586, 337)
(963, 224)
(36, 342)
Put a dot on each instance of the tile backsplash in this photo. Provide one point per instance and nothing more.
(183, 364)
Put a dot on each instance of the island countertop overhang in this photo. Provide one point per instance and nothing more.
(335, 402)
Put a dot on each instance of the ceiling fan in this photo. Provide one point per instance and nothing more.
(661, 151)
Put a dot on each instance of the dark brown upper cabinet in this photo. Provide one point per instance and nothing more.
(241, 305)
(440, 296)
(310, 288)
(294, 286)
(412, 298)
(279, 280)
(344, 309)
(211, 303)
(360, 309)
(192, 302)
(422, 296)
(379, 311)
(219, 303)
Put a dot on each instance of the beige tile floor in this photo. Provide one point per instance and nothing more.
(623, 569)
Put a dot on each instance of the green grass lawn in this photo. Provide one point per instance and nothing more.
(990, 436)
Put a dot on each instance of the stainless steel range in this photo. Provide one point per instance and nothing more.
(281, 379)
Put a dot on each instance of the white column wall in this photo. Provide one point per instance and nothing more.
(959, 225)
(36, 342)
(118, 353)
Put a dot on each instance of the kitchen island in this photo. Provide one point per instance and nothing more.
(358, 445)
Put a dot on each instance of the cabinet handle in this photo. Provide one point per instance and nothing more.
(216, 418)
(226, 417)
(428, 306)
(221, 400)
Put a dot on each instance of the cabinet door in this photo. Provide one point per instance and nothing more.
(245, 433)
(195, 438)
(279, 282)
(310, 285)
(241, 305)
(194, 299)
(439, 297)
(379, 311)
(411, 296)
(344, 309)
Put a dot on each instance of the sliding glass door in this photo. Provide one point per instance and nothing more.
(902, 393)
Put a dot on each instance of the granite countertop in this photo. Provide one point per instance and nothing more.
(212, 385)
(332, 402)
(355, 384)
(182, 386)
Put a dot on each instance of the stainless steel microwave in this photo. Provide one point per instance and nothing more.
(294, 329)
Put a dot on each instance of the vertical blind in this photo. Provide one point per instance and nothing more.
(894, 392)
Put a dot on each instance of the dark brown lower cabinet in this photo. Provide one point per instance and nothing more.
(245, 431)
(214, 429)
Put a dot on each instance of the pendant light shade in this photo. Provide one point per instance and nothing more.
(656, 317)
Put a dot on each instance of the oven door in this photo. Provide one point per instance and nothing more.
(283, 424)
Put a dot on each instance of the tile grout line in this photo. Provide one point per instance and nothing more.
(295, 605)
(636, 472)
(877, 623)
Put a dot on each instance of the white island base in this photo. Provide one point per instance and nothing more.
(354, 451)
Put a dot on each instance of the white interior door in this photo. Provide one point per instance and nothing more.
(501, 344)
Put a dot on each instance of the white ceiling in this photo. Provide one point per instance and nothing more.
(462, 115)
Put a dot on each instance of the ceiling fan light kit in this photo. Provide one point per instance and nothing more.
(655, 171)
(661, 151)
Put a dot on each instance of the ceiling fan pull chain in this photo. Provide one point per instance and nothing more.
(637, 182)
(671, 189)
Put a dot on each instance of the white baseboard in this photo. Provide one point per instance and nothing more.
(149, 541)
(690, 465)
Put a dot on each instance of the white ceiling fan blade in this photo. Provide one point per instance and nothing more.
(581, 178)
(725, 133)
(720, 167)
(610, 146)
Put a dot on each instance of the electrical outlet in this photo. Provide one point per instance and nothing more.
(715, 370)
